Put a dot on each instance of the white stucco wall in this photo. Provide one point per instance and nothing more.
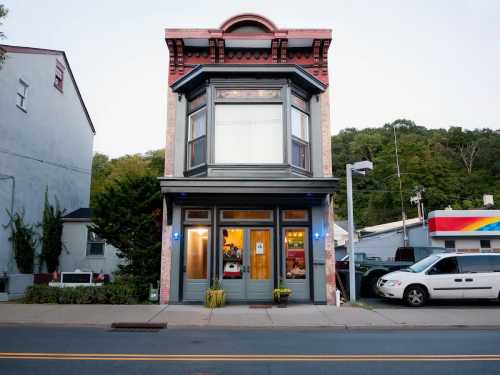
(54, 129)
(74, 255)
(466, 243)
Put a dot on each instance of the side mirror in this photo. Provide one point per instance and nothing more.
(432, 271)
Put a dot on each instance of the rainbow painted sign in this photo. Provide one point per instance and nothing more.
(450, 223)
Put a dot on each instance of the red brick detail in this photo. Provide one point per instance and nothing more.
(180, 54)
(171, 53)
(324, 60)
(331, 282)
(211, 47)
(284, 47)
(316, 47)
(326, 146)
(274, 50)
(220, 45)
(166, 260)
(170, 133)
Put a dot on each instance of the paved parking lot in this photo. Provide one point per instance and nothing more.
(381, 303)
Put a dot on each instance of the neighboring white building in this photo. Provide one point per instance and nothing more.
(83, 249)
(46, 138)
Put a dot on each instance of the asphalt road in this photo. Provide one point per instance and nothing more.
(65, 351)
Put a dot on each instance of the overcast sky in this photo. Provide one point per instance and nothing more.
(436, 62)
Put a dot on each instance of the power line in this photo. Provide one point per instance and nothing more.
(54, 164)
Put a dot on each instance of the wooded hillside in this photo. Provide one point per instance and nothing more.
(455, 167)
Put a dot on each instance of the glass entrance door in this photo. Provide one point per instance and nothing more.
(196, 263)
(296, 265)
(247, 263)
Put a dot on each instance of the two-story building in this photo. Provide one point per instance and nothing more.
(46, 139)
(248, 175)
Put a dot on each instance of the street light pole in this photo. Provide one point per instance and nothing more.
(360, 168)
(350, 228)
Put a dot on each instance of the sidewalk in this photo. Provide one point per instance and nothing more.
(248, 317)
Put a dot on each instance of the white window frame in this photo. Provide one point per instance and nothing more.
(89, 242)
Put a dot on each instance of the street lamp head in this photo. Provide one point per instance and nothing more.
(362, 167)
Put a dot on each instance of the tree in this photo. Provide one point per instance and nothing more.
(106, 171)
(3, 13)
(128, 215)
(52, 228)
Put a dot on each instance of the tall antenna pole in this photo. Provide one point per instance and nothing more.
(403, 215)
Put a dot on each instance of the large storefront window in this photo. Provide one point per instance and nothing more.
(197, 253)
(248, 134)
(295, 253)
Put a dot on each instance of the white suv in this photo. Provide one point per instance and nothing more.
(444, 276)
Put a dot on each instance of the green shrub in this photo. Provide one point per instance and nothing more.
(115, 293)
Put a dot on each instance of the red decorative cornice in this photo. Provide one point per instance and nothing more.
(316, 47)
(211, 45)
(220, 44)
(180, 55)
(284, 45)
(274, 50)
(248, 39)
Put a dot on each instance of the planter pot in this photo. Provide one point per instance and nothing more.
(215, 298)
(283, 300)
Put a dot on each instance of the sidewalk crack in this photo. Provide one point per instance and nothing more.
(158, 313)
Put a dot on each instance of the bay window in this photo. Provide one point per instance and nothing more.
(248, 134)
(300, 133)
(242, 127)
(197, 132)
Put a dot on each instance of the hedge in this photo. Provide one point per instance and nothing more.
(116, 294)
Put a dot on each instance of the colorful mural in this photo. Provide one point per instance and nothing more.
(464, 224)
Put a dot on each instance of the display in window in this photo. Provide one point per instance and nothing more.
(232, 253)
(295, 254)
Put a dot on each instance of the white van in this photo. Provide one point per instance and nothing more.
(444, 276)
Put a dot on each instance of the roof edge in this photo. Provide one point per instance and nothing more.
(43, 51)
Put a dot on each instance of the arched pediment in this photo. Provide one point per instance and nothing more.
(248, 23)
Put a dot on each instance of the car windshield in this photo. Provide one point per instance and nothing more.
(423, 264)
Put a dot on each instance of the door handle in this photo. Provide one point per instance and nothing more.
(469, 280)
(184, 268)
(458, 280)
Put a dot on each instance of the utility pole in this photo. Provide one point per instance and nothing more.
(403, 215)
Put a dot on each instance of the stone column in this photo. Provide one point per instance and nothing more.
(166, 243)
(330, 279)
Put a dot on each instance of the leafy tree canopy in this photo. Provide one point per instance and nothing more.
(455, 166)
(106, 172)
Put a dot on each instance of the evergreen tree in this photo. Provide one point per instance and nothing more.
(52, 228)
(127, 214)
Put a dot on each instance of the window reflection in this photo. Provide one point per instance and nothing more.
(232, 253)
(196, 253)
(295, 254)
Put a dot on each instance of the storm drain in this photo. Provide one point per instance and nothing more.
(137, 327)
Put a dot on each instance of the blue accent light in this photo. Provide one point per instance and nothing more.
(316, 236)
(176, 236)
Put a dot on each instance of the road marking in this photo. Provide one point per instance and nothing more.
(253, 357)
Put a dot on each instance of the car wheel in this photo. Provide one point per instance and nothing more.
(372, 289)
(415, 296)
